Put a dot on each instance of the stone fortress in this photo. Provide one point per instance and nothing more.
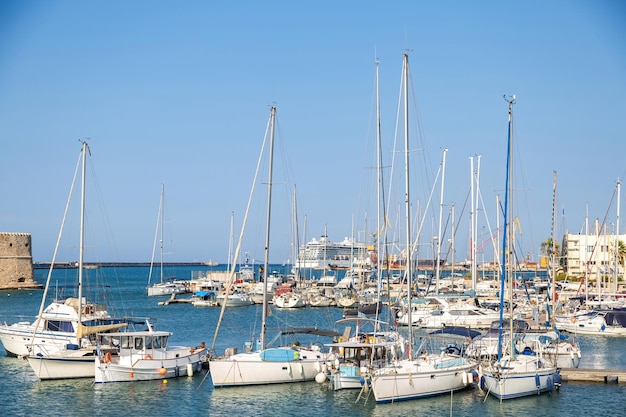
(16, 262)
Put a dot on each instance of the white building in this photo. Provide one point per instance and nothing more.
(596, 251)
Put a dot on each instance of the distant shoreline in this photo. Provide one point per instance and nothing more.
(69, 265)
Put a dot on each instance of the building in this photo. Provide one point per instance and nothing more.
(597, 252)
(16, 262)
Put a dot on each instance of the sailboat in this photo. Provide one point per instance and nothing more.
(60, 343)
(261, 364)
(513, 375)
(429, 373)
(163, 287)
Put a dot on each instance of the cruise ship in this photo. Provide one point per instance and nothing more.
(322, 253)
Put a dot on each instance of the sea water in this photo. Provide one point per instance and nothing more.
(23, 394)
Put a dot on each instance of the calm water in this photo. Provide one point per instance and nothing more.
(23, 394)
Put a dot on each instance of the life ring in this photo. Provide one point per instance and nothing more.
(108, 358)
(148, 357)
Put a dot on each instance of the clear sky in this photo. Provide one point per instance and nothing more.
(179, 93)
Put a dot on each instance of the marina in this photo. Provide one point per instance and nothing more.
(583, 389)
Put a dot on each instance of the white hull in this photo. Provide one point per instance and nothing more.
(523, 380)
(234, 300)
(289, 300)
(166, 289)
(18, 337)
(176, 363)
(63, 366)
(250, 369)
(589, 324)
(419, 378)
(348, 377)
(321, 301)
(55, 330)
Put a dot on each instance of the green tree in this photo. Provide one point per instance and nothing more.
(547, 248)
(621, 252)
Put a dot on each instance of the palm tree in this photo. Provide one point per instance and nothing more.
(547, 248)
(621, 252)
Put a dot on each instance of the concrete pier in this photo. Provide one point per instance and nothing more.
(594, 375)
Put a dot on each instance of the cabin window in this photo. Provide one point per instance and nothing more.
(125, 343)
(148, 342)
(59, 326)
(138, 343)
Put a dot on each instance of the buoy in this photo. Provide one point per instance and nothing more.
(190, 369)
(132, 374)
(165, 381)
(320, 378)
(162, 371)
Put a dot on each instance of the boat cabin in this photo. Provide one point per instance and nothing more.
(136, 343)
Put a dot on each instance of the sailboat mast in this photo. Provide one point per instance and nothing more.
(616, 259)
(438, 255)
(553, 257)
(267, 230)
(379, 227)
(82, 234)
(407, 199)
(161, 215)
(505, 238)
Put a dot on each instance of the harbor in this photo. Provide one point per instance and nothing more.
(603, 359)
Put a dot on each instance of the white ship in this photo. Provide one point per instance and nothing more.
(322, 253)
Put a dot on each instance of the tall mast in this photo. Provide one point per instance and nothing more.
(267, 230)
(438, 256)
(407, 199)
(553, 257)
(82, 238)
(379, 227)
(616, 261)
(505, 240)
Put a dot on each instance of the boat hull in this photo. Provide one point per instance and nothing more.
(174, 364)
(59, 367)
(251, 369)
(412, 382)
(519, 378)
(17, 338)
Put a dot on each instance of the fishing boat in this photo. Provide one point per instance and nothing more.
(261, 364)
(143, 356)
(356, 355)
(513, 374)
(421, 372)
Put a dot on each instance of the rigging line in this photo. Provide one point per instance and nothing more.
(231, 275)
(56, 247)
(421, 223)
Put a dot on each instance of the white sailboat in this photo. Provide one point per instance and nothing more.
(163, 287)
(426, 374)
(260, 364)
(514, 375)
(69, 353)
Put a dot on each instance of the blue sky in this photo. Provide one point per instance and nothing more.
(179, 93)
